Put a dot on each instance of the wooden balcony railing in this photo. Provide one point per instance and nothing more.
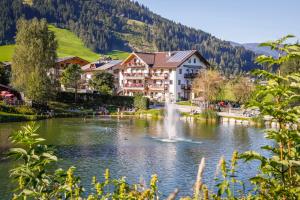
(134, 86)
(135, 75)
(158, 87)
(186, 87)
(159, 75)
(190, 75)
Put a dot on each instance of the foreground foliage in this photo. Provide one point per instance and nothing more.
(36, 180)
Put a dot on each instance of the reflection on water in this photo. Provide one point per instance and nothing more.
(131, 148)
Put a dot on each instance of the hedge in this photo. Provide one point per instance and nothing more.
(10, 117)
(90, 99)
(141, 103)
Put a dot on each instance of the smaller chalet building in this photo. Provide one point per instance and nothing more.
(110, 66)
(161, 75)
(62, 63)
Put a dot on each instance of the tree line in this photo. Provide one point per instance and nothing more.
(103, 24)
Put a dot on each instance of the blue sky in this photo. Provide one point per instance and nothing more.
(240, 21)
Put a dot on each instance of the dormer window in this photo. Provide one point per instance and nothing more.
(190, 60)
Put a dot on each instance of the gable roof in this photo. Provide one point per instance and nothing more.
(63, 59)
(166, 59)
(98, 65)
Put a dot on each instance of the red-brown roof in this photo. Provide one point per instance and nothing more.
(166, 59)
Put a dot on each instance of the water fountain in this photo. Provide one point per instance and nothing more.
(171, 120)
(173, 126)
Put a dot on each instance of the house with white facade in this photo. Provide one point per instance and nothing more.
(162, 75)
(110, 66)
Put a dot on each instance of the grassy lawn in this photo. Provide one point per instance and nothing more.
(116, 54)
(185, 103)
(68, 45)
(6, 52)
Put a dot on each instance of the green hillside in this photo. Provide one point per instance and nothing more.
(6, 52)
(68, 45)
(106, 25)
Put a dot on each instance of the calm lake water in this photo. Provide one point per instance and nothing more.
(131, 148)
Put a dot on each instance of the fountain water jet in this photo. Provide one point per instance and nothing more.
(171, 119)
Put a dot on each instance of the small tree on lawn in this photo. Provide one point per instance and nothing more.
(103, 82)
(242, 89)
(71, 77)
(209, 85)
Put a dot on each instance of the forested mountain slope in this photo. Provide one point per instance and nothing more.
(106, 25)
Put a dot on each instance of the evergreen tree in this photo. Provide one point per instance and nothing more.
(4, 74)
(34, 55)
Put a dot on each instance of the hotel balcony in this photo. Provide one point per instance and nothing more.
(190, 75)
(158, 76)
(135, 75)
(186, 87)
(135, 65)
(134, 86)
(157, 87)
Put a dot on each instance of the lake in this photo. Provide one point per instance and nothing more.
(134, 148)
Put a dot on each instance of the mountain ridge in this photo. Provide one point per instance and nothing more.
(106, 25)
(257, 49)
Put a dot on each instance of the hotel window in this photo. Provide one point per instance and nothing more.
(171, 82)
(179, 82)
(180, 71)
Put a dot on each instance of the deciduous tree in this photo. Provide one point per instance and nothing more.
(208, 85)
(34, 55)
(103, 82)
(242, 89)
(71, 77)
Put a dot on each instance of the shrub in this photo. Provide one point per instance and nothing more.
(26, 110)
(11, 117)
(209, 114)
(141, 103)
(17, 109)
(95, 100)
